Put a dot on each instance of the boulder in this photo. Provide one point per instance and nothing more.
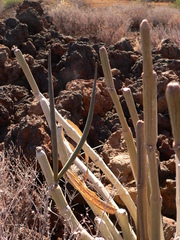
(103, 101)
(168, 49)
(79, 62)
(16, 35)
(115, 155)
(169, 227)
(29, 133)
(124, 45)
(164, 145)
(168, 193)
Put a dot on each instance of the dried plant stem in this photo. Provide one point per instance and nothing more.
(128, 233)
(142, 200)
(150, 122)
(63, 152)
(131, 105)
(71, 132)
(123, 193)
(101, 225)
(173, 101)
(97, 211)
(57, 195)
(112, 91)
(121, 214)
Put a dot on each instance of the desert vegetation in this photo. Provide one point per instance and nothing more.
(109, 24)
(146, 216)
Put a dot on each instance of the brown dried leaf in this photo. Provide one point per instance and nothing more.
(92, 197)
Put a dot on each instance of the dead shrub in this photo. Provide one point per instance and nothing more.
(110, 24)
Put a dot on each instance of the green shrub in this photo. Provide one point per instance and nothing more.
(177, 2)
(11, 3)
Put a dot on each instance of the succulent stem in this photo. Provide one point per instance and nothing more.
(150, 122)
(53, 121)
(173, 101)
(27, 72)
(57, 195)
(131, 105)
(142, 200)
(126, 131)
(85, 132)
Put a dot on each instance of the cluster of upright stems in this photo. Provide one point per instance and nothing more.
(146, 215)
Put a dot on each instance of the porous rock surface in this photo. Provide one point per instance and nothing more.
(23, 124)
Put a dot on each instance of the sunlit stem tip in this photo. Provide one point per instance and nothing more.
(27, 72)
(173, 101)
(131, 105)
(112, 91)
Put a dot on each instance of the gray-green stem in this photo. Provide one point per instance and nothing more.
(85, 132)
(53, 122)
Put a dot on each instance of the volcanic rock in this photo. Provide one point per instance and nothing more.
(79, 63)
(28, 134)
(103, 101)
(168, 49)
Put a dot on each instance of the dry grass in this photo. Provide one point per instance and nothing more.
(23, 200)
(26, 210)
(110, 24)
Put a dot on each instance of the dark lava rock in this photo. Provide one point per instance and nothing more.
(164, 145)
(2, 28)
(72, 103)
(28, 48)
(79, 62)
(121, 60)
(103, 101)
(3, 57)
(10, 96)
(168, 49)
(16, 36)
(57, 50)
(11, 22)
(124, 45)
(33, 4)
(168, 192)
(99, 132)
(27, 135)
(4, 116)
